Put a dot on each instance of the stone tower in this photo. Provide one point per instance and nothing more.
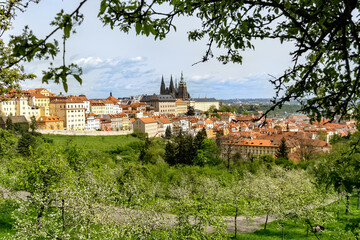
(179, 91)
(162, 86)
(171, 87)
(182, 90)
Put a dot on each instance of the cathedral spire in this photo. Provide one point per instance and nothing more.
(182, 81)
(162, 87)
(171, 87)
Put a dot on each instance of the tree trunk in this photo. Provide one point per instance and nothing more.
(282, 228)
(266, 220)
(236, 215)
(338, 208)
(63, 214)
(347, 204)
(307, 231)
(42, 208)
(88, 229)
(312, 229)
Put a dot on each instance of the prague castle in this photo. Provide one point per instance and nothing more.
(177, 91)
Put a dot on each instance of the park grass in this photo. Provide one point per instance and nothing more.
(337, 228)
(100, 143)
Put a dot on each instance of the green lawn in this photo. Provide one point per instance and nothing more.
(101, 143)
(335, 229)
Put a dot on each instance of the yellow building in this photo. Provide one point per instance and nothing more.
(146, 125)
(41, 101)
(163, 104)
(126, 123)
(255, 147)
(97, 107)
(180, 107)
(71, 111)
(109, 107)
(50, 123)
(203, 104)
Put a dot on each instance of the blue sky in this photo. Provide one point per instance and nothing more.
(128, 65)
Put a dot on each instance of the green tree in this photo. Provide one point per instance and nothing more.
(33, 124)
(207, 154)
(26, 144)
(213, 109)
(170, 153)
(190, 111)
(7, 144)
(9, 125)
(28, 47)
(288, 193)
(200, 136)
(63, 203)
(340, 168)
(282, 151)
(168, 133)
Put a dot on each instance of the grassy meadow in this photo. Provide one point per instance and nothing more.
(101, 143)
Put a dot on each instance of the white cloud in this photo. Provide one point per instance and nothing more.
(137, 59)
(89, 61)
(197, 78)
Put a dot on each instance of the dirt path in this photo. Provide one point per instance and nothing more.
(138, 217)
(166, 220)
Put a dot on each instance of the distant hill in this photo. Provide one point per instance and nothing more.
(252, 101)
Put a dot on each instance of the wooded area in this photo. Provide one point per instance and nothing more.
(80, 191)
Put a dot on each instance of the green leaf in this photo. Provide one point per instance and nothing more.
(65, 86)
(138, 27)
(147, 29)
(67, 30)
(103, 7)
(78, 78)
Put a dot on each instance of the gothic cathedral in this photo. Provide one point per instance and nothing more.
(177, 91)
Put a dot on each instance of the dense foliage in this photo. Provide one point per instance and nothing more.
(130, 191)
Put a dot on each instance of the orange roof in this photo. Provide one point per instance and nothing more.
(112, 99)
(49, 119)
(38, 95)
(82, 98)
(255, 142)
(164, 120)
(108, 102)
(66, 101)
(148, 120)
(179, 101)
(97, 104)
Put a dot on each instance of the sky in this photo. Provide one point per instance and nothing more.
(130, 65)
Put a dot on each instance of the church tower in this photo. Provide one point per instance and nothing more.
(162, 86)
(171, 87)
(182, 90)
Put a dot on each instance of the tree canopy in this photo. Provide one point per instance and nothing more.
(324, 77)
